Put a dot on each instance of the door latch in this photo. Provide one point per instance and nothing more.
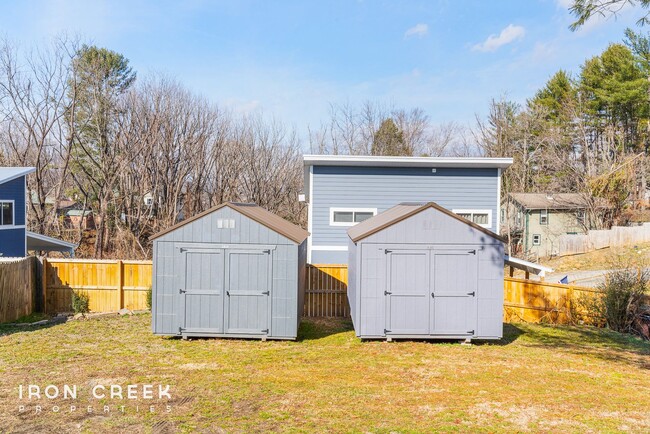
(386, 331)
(473, 293)
(387, 293)
(470, 332)
(433, 294)
(181, 291)
(266, 293)
(473, 252)
(228, 293)
(267, 251)
(265, 331)
(386, 251)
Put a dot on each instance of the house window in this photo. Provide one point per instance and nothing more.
(6, 213)
(543, 217)
(537, 240)
(482, 217)
(350, 216)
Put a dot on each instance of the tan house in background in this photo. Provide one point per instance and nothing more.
(535, 221)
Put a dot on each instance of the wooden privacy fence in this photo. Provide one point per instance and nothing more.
(532, 301)
(110, 285)
(17, 288)
(326, 291)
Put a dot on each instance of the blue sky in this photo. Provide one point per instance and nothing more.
(291, 59)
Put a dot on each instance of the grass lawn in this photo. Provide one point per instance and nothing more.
(539, 378)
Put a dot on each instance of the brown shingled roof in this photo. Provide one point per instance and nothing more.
(401, 212)
(254, 212)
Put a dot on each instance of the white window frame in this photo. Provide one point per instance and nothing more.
(488, 225)
(352, 210)
(543, 213)
(13, 217)
(538, 243)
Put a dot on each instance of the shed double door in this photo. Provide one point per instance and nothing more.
(225, 291)
(431, 292)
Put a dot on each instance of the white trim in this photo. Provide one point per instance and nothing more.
(13, 224)
(10, 227)
(362, 160)
(330, 248)
(352, 210)
(310, 213)
(16, 173)
(543, 213)
(539, 240)
(477, 211)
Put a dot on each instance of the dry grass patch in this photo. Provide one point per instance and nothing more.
(539, 378)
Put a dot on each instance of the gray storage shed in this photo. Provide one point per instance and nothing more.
(235, 270)
(420, 271)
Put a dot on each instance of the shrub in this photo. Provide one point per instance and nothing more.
(620, 304)
(149, 297)
(80, 302)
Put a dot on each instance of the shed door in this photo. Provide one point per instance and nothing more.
(202, 283)
(248, 295)
(407, 293)
(455, 282)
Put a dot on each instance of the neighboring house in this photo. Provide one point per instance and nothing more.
(535, 221)
(344, 190)
(15, 239)
(76, 217)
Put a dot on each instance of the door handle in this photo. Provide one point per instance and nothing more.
(387, 293)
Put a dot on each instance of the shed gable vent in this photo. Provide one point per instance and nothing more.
(225, 223)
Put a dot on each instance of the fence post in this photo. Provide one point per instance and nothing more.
(44, 283)
(120, 283)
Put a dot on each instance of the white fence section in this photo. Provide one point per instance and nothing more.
(594, 240)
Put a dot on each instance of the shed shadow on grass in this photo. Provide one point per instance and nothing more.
(319, 328)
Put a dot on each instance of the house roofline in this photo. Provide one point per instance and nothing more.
(382, 161)
(23, 172)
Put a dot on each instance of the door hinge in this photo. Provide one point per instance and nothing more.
(473, 293)
(265, 331)
(473, 252)
(181, 291)
(470, 332)
(387, 293)
(386, 331)
(180, 330)
(268, 251)
(266, 293)
(386, 251)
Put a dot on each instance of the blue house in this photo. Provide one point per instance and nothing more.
(342, 191)
(15, 239)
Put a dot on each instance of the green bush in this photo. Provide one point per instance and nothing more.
(80, 302)
(149, 297)
(620, 304)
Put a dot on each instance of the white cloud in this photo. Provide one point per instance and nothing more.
(507, 35)
(419, 30)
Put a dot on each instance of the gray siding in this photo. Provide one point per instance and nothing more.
(441, 261)
(227, 268)
(384, 187)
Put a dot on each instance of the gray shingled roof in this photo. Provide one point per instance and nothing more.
(550, 200)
